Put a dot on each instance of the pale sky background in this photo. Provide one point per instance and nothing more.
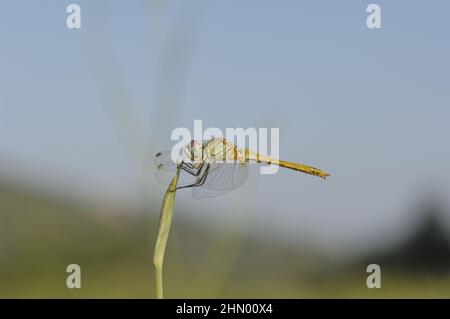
(83, 111)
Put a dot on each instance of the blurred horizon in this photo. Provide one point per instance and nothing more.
(41, 235)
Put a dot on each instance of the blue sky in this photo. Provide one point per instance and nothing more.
(81, 111)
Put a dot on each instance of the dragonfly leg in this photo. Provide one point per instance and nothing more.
(191, 169)
(200, 181)
(188, 170)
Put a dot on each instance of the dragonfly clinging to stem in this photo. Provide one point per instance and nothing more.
(216, 167)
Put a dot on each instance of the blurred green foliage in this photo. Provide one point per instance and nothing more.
(40, 235)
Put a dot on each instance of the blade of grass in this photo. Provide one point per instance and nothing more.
(165, 220)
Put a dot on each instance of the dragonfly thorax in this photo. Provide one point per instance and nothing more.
(220, 150)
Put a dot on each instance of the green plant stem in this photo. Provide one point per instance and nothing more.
(165, 221)
(159, 282)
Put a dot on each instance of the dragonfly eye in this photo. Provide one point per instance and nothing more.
(194, 151)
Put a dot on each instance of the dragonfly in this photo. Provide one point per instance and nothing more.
(216, 167)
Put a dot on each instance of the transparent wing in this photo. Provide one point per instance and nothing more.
(222, 178)
(163, 160)
(166, 169)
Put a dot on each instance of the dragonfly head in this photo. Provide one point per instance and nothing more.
(194, 151)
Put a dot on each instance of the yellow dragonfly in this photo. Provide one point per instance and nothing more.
(216, 167)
